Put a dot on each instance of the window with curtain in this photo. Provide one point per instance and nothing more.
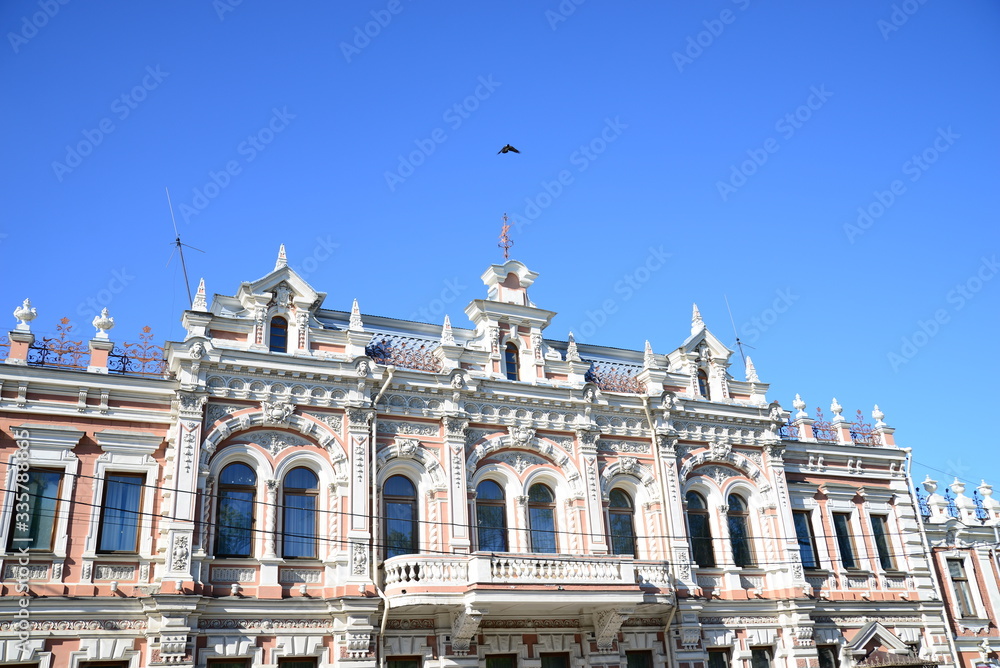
(845, 541)
(703, 384)
(400, 498)
(301, 493)
(960, 584)
(806, 539)
(702, 550)
(278, 341)
(880, 531)
(510, 361)
(738, 518)
(491, 517)
(542, 519)
(621, 520)
(33, 522)
(119, 529)
(234, 518)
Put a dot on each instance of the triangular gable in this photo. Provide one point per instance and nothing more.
(875, 643)
(693, 342)
(301, 292)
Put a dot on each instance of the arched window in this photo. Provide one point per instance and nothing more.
(703, 384)
(510, 361)
(301, 491)
(234, 519)
(621, 515)
(700, 530)
(542, 519)
(491, 516)
(739, 531)
(279, 335)
(400, 517)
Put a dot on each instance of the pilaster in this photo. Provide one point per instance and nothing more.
(455, 429)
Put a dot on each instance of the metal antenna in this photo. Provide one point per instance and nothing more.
(739, 344)
(180, 248)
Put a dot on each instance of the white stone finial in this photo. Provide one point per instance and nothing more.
(355, 324)
(282, 258)
(25, 314)
(878, 415)
(958, 487)
(930, 486)
(696, 322)
(985, 491)
(648, 362)
(447, 336)
(200, 303)
(103, 323)
(751, 371)
(837, 410)
(800, 406)
(572, 354)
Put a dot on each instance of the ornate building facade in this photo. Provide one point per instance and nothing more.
(302, 487)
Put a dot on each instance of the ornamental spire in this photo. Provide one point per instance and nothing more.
(572, 355)
(751, 371)
(355, 323)
(648, 362)
(282, 259)
(696, 322)
(200, 303)
(505, 241)
(447, 337)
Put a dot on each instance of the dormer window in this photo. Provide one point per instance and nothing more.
(510, 361)
(703, 384)
(279, 335)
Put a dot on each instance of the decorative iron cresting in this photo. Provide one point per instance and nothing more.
(862, 432)
(60, 350)
(406, 353)
(141, 359)
(822, 428)
(615, 378)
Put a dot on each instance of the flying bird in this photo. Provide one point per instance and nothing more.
(507, 148)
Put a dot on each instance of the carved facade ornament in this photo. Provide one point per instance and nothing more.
(407, 447)
(521, 436)
(458, 380)
(364, 368)
(719, 451)
(191, 402)
(180, 553)
(519, 461)
(572, 354)
(455, 427)
(409, 428)
(277, 412)
(668, 445)
(588, 440)
(359, 418)
(463, 628)
(717, 473)
(627, 464)
(359, 559)
(607, 623)
(775, 453)
(273, 441)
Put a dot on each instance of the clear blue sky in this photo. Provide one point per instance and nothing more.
(831, 167)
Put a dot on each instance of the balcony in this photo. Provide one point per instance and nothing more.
(502, 579)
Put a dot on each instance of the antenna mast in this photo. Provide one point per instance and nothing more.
(180, 247)
(739, 344)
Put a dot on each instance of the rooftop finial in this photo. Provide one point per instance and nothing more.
(572, 354)
(282, 260)
(355, 323)
(447, 337)
(200, 303)
(648, 362)
(696, 321)
(25, 314)
(103, 324)
(751, 371)
(505, 241)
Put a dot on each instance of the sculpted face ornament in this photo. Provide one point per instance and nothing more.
(521, 435)
(277, 412)
(364, 368)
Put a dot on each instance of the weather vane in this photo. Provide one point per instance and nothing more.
(505, 241)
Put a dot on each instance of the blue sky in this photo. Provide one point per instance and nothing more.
(830, 167)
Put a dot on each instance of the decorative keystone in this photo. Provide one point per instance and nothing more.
(447, 336)
(837, 410)
(103, 323)
(355, 324)
(25, 314)
(572, 354)
(282, 258)
(200, 303)
(751, 371)
(800, 406)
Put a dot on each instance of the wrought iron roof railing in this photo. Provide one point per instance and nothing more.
(405, 352)
(612, 377)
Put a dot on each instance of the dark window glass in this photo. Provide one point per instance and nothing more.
(620, 516)
(234, 530)
(639, 659)
(400, 517)
(827, 656)
(760, 657)
(297, 663)
(555, 660)
(542, 519)
(807, 543)
(701, 531)
(718, 658)
(880, 524)
(703, 384)
(510, 361)
(228, 663)
(299, 517)
(279, 335)
(403, 663)
(739, 531)
(504, 661)
(119, 530)
(33, 527)
(842, 527)
(960, 581)
(491, 516)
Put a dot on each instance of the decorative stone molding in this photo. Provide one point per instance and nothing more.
(360, 418)
(121, 572)
(455, 427)
(464, 626)
(277, 412)
(607, 623)
(521, 436)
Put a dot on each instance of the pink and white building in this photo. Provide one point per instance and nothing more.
(297, 486)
